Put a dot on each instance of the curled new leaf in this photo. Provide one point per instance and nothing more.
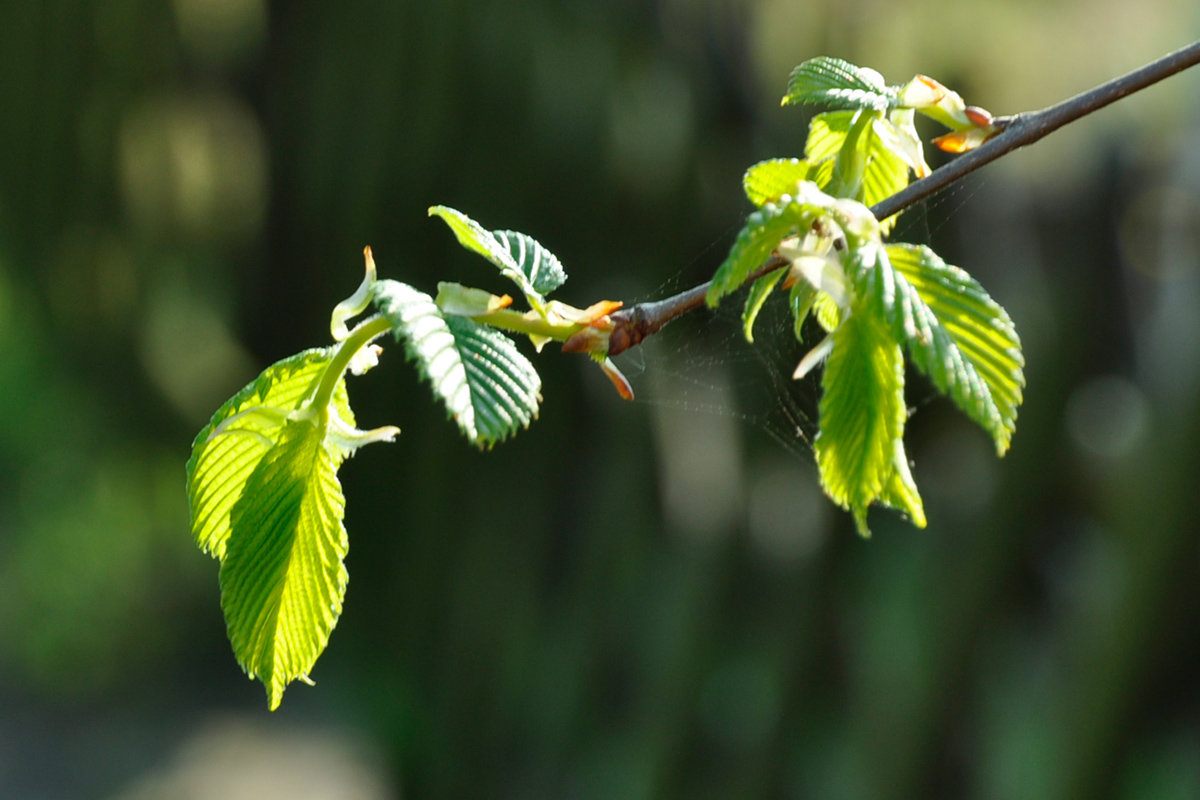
(884, 153)
(487, 386)
(759, 293)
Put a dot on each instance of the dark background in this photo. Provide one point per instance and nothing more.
(628, 600)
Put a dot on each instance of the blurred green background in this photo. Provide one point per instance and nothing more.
(646, 600)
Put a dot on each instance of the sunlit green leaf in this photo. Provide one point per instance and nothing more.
(850, 164)
(283, 578)
(228, 449)
(521, 259)
(762, 233)
(767, 181)
(834, 82)
(488, 387)
(861, 414)
(826, 133)
(901, 492)
(759, 292)
(473, 236)
(954, 332)
(885, 168)
(826, 311)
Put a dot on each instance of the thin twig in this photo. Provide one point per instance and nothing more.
(1027, 128)
(637, 322)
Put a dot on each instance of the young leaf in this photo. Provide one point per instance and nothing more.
(767, 181)
(800, 300)
(826, 134)
(488, 387)
(837, 83)
(283, 578)
(826, 311)
(543, 269)
(907, 142)
(229, 448)
(887, 165)
(759, 293)
(762, 233)
(954, 332)
(901, 492)
(861, 415)
(884, 150)
(534, 269)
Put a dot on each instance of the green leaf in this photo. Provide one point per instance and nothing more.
(767, 181)
(800, 300)
(850, 165)
(901, 492)
(837, 83)
(229, 448)
(885, 169)
(861, 415)
(907, 142)
(759, 293)
(762, 233)
(826, 134)
(543, 269)
(283, 578)
(955, 333)
(488, 387)
(473, 236)
(520, 258)
(826, 310)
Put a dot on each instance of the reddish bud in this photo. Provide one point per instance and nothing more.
(980, 117)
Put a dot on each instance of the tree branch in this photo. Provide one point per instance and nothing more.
(634, 324)
(1027, 128)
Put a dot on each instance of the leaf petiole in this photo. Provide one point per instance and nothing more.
(366, 332)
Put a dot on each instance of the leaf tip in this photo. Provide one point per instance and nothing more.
(860, 522)
(619, 381)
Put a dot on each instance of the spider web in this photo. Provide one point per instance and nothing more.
(701, 365)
